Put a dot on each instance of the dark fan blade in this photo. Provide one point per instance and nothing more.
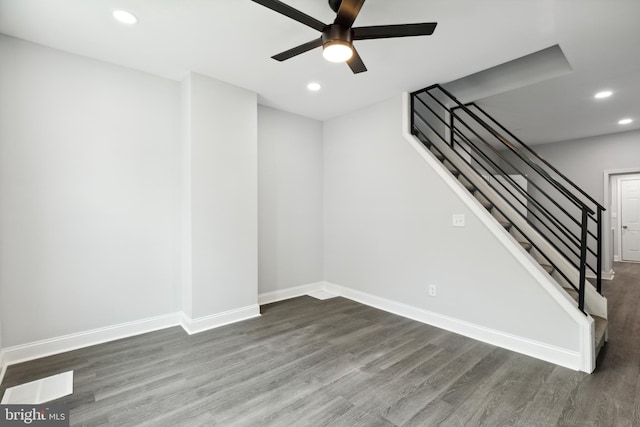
(292, 13)
(298, 50)
(348, 12)
(355, 63)
(389, 31)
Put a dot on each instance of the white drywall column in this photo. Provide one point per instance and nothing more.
(220, 224)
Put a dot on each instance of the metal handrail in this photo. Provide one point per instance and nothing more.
(499, 154)
(599, 208)
(510, 204)
(520, 230)
(545, 212)
(546, 163)
(520, 190)
(451, 133)
(508, 144)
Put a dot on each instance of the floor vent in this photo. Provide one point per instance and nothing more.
(40, 391)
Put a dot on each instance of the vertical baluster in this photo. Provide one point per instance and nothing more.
(583, 258)
(452, 117)
(599, 252)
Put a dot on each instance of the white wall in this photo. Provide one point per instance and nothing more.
(89, 193)
(290, 200)
(223, 168)
(388, 233)
(1, 354)
(0, 331)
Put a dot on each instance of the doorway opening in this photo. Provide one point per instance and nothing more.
(629, 218)
(622, 198)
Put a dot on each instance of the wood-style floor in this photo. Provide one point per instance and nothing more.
(307, 362)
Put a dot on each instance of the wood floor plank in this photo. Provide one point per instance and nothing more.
(550, 397)
(291, 412)
(309, 362)
(635, 410)
(356, 417)
(435, 413)
(328, 415)
(503, 396)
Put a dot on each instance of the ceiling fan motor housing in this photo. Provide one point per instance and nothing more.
(337, 33)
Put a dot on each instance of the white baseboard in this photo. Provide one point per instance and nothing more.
(284, 294)
(539, 350)
(43, 348)
(559, 356)
(48, 347)
(606, 275)
(201, 324)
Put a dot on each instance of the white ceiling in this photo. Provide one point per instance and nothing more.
(233, 40)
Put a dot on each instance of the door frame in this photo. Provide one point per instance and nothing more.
(608, 230)
(619, 179)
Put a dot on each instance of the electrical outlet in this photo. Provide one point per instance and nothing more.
(458, 220)
(432, 290)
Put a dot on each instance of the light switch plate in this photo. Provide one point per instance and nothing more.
(458, 220)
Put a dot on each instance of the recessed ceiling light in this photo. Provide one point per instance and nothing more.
(625, 121)
(603, 94)
(125, 17)
(314, 86)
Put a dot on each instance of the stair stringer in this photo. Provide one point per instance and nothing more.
(587, 362)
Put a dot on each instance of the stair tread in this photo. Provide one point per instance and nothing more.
(486, 203)
(548, 268)
(505, 224)
(450, 167)
(600, 325)
(436, 153)
(467, 184)
(572, 293)
(525, 245)
(600, 332)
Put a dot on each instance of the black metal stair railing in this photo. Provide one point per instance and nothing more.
(556, 208)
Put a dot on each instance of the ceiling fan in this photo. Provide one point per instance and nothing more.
(337, 38)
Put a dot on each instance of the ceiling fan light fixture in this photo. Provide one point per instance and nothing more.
(337, 51)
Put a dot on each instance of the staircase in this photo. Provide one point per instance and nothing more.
(547, 215)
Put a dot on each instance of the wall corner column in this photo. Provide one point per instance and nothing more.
(219, 280)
